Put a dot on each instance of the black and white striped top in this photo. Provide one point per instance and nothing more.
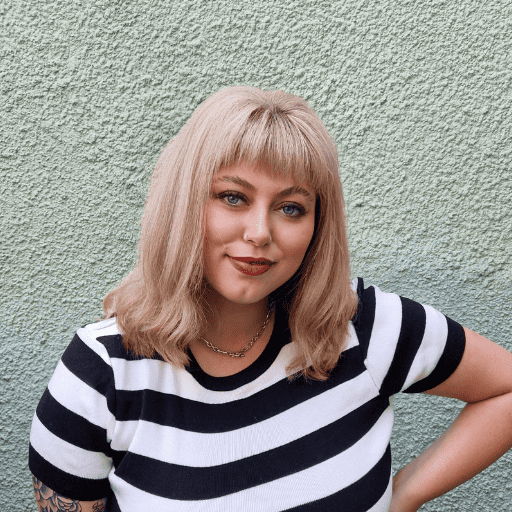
(157, 438)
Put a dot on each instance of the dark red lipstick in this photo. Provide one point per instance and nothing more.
(253, 261)
(251, 266)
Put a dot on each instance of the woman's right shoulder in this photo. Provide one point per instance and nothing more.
(100, 328)
(105, 338)
(101, 337)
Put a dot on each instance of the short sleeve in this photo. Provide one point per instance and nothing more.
(406, 346)
(72, 427)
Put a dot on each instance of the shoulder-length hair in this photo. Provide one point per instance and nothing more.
(158, 306)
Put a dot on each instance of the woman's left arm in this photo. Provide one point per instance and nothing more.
(480, 434)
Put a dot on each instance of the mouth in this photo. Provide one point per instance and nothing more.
(253, 261)
(251, 267)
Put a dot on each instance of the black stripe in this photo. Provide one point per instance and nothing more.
(365, 316)
(115, 348)
(411, 335)
(112, 505)
(118, 457)
(71, 427)
(359, 496)
(195, 416)
(89, 367)
(360, 291)
(449, 361)
(69, 486)
(178, 482)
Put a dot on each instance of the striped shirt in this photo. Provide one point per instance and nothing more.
(154, 437)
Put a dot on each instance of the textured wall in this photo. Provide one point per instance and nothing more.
(417, 95)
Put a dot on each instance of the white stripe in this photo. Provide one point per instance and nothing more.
(175, 446)
(102, 328)
(89, 333)
(165, 378)
(311, 484)
(78, 397)
(352, 340)
(67, 457)
(125, 433)
(431, 348)
(385, 333)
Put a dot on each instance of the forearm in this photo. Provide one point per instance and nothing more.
(481, 434)
(47, 499)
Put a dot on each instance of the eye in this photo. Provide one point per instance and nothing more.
(293, 210)
(231, 198)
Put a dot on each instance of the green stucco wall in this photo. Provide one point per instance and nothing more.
(417, 95)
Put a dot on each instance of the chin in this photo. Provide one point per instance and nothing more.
(246, 299)
(235, 296)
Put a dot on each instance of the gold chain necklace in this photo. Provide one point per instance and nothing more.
(241, 352)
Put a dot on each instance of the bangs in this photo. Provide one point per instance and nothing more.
(270, 137)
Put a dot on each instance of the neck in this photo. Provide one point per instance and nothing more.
(231, 325)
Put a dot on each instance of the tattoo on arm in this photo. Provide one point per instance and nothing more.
(100, 505)
(49, 501)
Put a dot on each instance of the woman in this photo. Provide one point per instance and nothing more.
(251, 374)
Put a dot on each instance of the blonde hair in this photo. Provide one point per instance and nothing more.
(158, 306)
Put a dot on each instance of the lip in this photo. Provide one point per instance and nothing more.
(253, 261)
(250, 269)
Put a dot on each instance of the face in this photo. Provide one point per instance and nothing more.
(251, 216)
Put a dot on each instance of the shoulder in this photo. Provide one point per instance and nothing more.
(92, 354)
(100, 352)
(105, 338)
(98, 331)
(403, 342)
(89, 343)
(376, 310)
(390, 314)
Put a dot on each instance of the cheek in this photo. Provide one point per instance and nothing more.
(218, 227)
(297, 242)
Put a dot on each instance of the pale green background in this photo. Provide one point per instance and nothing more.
(417, 95)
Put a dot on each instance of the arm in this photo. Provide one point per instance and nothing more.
(480, 435)
(48, 500)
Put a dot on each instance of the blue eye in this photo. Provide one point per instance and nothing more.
(288, 209)
(232, 198)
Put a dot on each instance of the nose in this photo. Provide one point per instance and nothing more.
(257, 228)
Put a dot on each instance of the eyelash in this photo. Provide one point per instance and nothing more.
(298, 207)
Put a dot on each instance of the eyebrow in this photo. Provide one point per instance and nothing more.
(286, 192)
